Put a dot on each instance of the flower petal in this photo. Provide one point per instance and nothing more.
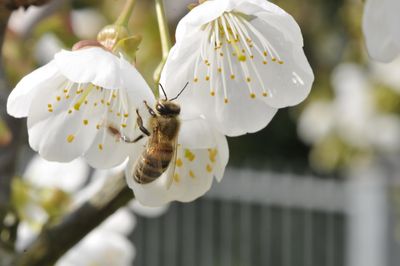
(193, 176)
(57, 130)
(91, 65)
(20, 98)
(378, 30)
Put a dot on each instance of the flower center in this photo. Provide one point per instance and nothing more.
(233, 49)
(94, 105)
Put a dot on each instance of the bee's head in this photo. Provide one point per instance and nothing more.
(167, 108)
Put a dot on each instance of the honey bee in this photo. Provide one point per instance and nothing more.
(162, 143)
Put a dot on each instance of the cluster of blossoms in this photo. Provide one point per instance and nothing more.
(243, 60)
(360, 123)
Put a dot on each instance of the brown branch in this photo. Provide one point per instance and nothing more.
(54, 241)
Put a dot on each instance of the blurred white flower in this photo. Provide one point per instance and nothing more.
(22, 19)
(243, 59)
(352, 115)
(87, 22)
(381, 29)
(68, 177)
(387, 73)
(100, 248)
(316, 121)
(145, 211)
(71, 101)
(46, 47)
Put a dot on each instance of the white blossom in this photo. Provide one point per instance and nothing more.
(381, 29)
(72, 100)
(243, 60)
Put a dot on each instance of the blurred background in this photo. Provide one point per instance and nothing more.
(320, 186)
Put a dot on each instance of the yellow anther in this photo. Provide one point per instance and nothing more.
(248, 79)
(195, 79)
(265, 53)
(101, 147)
(207, 78)
(209, 168)
(265, 62)
(50, 110)
(118, 114)
(123, 125)
(102, 101)
(85, 122)
(86, 102)
(177, 178)
(69, 111)
(226, 100)
(77, 106)
(189, 155)
(273, 59)
(212, 154)
(126, 115)
(281, 62)
(179, 162)
(114, 95)
(70, 138)
(252, 95)
(58, 98)
(108, 103)
(265, 94)
(191, 174)
(221, 54)
(98, 126)
(232, 76)
(219, 70)
(212, 93)
(49, 105)
(65, 91)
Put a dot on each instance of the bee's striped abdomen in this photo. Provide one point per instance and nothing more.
(153, 162)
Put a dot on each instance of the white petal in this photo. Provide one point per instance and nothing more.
(19, 101)
(136, 87)
(106, 151)
(121, 222)
(378, 29)
(194, 173)
(91, 65)
(102, 248)
(291, 82)
(148, 212)
(59, 135)
(66, 176)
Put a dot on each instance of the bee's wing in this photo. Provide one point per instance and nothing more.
(171, 169)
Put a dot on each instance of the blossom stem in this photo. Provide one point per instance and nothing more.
(126, 13)
(166, 43)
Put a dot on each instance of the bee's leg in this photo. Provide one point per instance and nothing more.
(151, 111)
(115, 132)
(139, 121)
(128, 140)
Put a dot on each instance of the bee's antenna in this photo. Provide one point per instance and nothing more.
(162, 88)
(176, 97)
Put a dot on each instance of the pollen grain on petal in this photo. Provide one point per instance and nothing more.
(191, 174)
(70, 138)
(179, 162)
(177, 178)
(189, 155)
